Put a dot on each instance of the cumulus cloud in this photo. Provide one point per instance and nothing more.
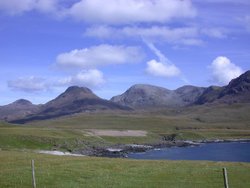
(88, 78)
(163, 67)
(131, 11)
(20, 6)
(28, 84)
(99, 56)
(111, 12)
(223, 70)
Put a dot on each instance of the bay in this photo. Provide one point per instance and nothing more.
(233, 152)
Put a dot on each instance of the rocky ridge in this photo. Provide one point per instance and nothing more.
(140, 96)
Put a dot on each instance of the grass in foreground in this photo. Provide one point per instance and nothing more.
(62, 171)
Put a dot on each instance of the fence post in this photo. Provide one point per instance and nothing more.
(225, 178)
(33, 174)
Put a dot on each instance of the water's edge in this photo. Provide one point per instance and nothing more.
(122, 150)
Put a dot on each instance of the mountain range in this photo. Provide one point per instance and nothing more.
(140, 96)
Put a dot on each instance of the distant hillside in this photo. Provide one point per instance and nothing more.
(73, 100)
(189, 94)
(78, 99)
(17, 109)
(237, 91)
(209, 95)
(148, 96)
(141, 96)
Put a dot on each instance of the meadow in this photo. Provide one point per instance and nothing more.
(71, 132)
(20, 143)
(66, 171)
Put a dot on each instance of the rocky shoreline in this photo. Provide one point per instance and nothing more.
(122, 150)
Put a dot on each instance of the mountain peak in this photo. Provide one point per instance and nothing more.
(238, 89)
(74, 100)
(22, 102)
(76, 92)
(72, 94)
(238, 85)
(245, 77)
(141, 95)
(76, 89)
(145, 87)
(18, 109)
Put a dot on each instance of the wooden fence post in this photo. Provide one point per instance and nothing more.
(225, 178)
(33, 174)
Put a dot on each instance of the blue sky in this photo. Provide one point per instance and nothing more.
(49, 45)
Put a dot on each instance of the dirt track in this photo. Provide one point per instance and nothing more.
(115, 133)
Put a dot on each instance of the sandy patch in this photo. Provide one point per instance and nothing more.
(60, 153)
(115, 133)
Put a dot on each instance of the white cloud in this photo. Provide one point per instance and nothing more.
(191, 42)
(103, 31)
(131, 11)
(243, 2)
(162, 68)
(179, 35)
(223, 70)
(19, 6)
(215, 32)
(99, 56)
(88, 78)
(47, 5)
(111, 12)
(16, 6)
(28, 84)
(171, 35)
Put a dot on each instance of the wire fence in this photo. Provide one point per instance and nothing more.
(59, 174)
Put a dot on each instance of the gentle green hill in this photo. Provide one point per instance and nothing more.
(72, 132)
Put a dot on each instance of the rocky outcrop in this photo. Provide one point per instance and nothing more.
(238, 90)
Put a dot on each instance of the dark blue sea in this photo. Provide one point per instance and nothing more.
(233, 151)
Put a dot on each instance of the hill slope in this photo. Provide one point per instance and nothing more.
(148, 96)
(17, 109)
(237, 91)
(73, 100)
(141, 96)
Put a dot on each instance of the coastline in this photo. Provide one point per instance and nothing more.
(122, 150)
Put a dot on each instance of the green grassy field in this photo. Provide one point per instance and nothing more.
(70, 133)
(18, 144)
(65, 171)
